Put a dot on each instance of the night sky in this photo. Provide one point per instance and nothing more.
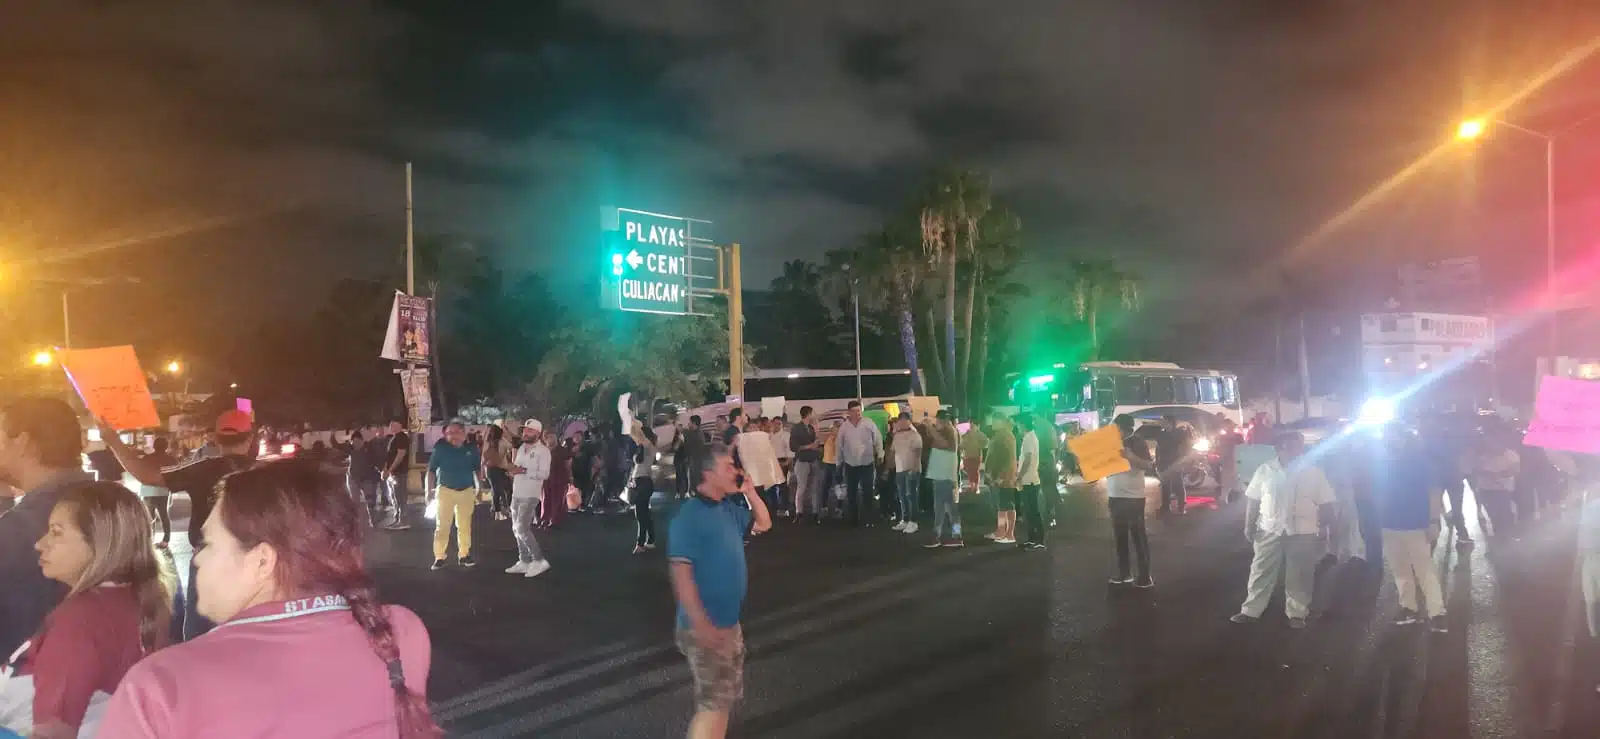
(247, 154)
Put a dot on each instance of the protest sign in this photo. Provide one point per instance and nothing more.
(1099, 453)
(923, 407)
(112, 386)
(1566, 416)
(772, 407)
(414, 384)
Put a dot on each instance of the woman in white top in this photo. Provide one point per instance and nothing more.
(644, 485)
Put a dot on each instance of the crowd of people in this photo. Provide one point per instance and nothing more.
(101, 637)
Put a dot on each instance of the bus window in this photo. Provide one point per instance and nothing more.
(1161, 389)
(1130, 390)
(1210, 391)
(1188, 390)
(1230, 392)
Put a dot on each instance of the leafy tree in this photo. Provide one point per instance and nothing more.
(794, 326)
(1094, 283)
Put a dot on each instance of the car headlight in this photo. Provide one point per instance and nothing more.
(1376, 412)
(1202, 445)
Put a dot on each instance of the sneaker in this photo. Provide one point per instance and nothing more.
(1407, 617)
(1033, 546)
(901, 526)
(650, 546)
(537, 568)
(467, 561)
(438, 564)
(954, 543)
(1145, 584)
(1438, 626)
(640, 550)
(1243, 618)
(517, 569)
(1297, 623)
(1120, 580)
(911, 528)
(1005, 541)
(935, 544)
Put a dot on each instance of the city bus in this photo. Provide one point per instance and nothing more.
(1090, 394)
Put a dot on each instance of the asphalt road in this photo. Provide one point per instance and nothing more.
(857, 633)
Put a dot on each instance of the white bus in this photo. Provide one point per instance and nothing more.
(1092, 393)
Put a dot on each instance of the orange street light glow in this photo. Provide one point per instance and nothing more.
(174, 368)
(42, 359)
(1471, 128)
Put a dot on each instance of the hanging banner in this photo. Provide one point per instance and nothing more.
(408, 338)
(112, 386)
(419, 398)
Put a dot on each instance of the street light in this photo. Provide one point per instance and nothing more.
(1471, 128)
(43, 358)
(174, 368)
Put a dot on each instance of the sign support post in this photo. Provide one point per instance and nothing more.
(735, 324)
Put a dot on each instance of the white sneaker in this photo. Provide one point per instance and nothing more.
(517, 569)
(899, 526)
(537, 568)
(911, 528)
(1005, 541)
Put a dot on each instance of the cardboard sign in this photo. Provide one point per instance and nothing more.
(1566, 416)
(923, 407)
(892, 410)
(243, 405)
(1099, 453)
(112, 386)
(772, 407)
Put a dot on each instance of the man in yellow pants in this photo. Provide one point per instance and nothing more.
(454, 467)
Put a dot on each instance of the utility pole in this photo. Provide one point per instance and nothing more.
(1305, 372)
(1277, 370)
(411, 272)
(855, 306)
(66, 322)
(735, 325)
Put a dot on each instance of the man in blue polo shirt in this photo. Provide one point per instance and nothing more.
(1405, 486)
(705, 549)
(454, 466)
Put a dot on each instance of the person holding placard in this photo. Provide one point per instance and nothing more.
(1126, 498)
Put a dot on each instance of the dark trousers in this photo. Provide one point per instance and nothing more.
(858, 482)
(1172, 489)
(1031, 502)
(643, 488)
(1127, 527)
(500, 489)
(187, 623)
(1456, 490)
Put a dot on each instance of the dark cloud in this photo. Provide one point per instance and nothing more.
(1189, 138)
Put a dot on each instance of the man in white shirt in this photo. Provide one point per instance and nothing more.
(906, 444)
(1125, 496)
(1028, 482)
(760, 460)
(1291, 507)
(859, 446)
(530, 467)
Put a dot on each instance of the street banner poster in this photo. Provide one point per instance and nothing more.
(112, 386)
(1099, 453)
(772, 406)
(243, 405)
(923, 407)
(419, 398)
(408, 338)
(1566, 416)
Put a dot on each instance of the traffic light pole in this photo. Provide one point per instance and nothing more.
(735, 324)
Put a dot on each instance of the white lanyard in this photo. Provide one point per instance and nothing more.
(295, 609)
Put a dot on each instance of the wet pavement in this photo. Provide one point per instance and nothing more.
(857, 633)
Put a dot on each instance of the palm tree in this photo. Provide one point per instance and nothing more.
(1092, 282)
(950, 211)
(997, 251)
(885, 270)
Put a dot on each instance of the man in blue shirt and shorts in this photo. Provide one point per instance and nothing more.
(705, 552)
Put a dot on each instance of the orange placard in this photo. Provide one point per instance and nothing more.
(112, 386)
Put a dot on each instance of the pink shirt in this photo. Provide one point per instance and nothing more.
(306, 676)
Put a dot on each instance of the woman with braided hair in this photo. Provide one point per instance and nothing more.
(303, 648)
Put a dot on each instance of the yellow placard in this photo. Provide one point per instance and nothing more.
(1099, 453)
(112, 386)
(893, 409)
(924, 407)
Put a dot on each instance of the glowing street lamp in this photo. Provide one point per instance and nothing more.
(43, 358)
(174, 367)
(1471, 128)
